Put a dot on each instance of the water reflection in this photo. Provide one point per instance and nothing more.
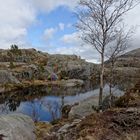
(45, 109)
(45, 103)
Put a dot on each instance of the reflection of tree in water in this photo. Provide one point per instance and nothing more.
(11, 103)
(53, 107)
(3, 109)
(35, 110)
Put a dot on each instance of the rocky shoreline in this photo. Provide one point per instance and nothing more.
(118, 123)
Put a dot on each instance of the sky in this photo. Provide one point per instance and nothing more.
(48, 25)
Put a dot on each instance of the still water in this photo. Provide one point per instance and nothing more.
(46, 103)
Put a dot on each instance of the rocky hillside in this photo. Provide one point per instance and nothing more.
(130, 59)
(127, 68)
(18, 65)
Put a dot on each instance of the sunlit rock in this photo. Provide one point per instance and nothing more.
(16, 127)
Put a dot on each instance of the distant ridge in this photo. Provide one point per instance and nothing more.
(133, 53)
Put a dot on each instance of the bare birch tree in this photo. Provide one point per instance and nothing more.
(120, 45)
(98, 21)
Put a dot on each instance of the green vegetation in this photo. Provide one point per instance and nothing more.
(11, 66)
(15, 50)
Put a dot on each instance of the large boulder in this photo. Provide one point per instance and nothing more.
(84, 108)
(16, 127)
(7, 77)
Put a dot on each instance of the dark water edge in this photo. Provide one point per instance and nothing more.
(45, 103)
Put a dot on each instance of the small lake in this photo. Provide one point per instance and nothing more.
(46, 103)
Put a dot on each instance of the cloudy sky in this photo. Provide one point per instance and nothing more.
(47, 25)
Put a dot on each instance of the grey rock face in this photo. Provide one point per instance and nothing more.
(78, 70)
(72, 83)
(84, 108)
(16, 127)
(7, 77)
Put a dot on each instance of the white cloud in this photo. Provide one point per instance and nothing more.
(49, 5)
(61, 26)
(74, 45)
(70, 39)
(132, 19)
(11, 33)
(86, 52)
(15, 18)
(69, 25)
(48, 33)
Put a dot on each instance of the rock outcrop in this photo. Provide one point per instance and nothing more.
(7, 77)
(16, 127)
(84, 108)
(30, 64)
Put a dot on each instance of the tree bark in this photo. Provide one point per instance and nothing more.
(111, 77)
(101, 81)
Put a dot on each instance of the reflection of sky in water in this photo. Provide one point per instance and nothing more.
(80, 97)
(48, 108)
(45, 109)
